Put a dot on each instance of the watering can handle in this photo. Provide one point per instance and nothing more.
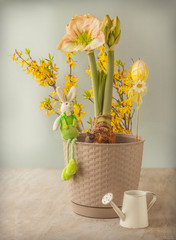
(152, 201)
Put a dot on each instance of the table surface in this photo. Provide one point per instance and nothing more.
(34, 204)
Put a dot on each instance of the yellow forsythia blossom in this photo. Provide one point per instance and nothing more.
(78, 107)
(46, 105)
(71, 80)
(122, 105)
(102, 59)
(45, 73)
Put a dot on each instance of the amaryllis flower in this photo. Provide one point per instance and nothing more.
(83, 33)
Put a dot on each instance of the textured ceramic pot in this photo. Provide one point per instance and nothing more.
(104, 168)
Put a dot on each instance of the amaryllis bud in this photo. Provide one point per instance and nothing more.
(111, 40)
(106, 33)
(111, 30)
(139, 71)
(116, 27)
(106, 23)
(105, 27)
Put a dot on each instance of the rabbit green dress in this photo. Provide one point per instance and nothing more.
(69, 126)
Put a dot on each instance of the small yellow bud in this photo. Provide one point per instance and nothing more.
(139, 71)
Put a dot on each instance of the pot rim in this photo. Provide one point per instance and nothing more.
(141, 140)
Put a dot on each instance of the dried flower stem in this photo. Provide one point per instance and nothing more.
(137, 117)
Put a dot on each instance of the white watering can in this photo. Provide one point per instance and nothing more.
(134, 213)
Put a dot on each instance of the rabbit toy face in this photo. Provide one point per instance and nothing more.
(67, 103)
(67, 107)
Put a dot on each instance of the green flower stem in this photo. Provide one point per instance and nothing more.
(107, 105)
(102, 80)
(95, 81)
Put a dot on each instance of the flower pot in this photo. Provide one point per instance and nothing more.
(104, 168)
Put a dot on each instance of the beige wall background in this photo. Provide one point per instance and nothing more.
(148, 31)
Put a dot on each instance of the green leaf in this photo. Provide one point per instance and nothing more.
(47, 100)
(90, 121)
(41, 60)
(87, 94)
(27, 51)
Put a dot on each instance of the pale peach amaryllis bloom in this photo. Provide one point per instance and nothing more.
(83, 34)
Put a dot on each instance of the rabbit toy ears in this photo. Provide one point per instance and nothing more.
(71, 95)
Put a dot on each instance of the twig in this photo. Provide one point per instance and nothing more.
(132, 59)
(30, 57)
(133, 113)
(137, 117)
(53, 85)
(90, 100)
(21, 57)
(70, 75)
(54, 98)
(129, 117)
(115, 99)
(102, 66)
(131, 125)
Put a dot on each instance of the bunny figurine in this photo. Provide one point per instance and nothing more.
(69, 128)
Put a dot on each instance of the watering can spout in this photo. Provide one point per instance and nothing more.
(118, 211)
(107, 199)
